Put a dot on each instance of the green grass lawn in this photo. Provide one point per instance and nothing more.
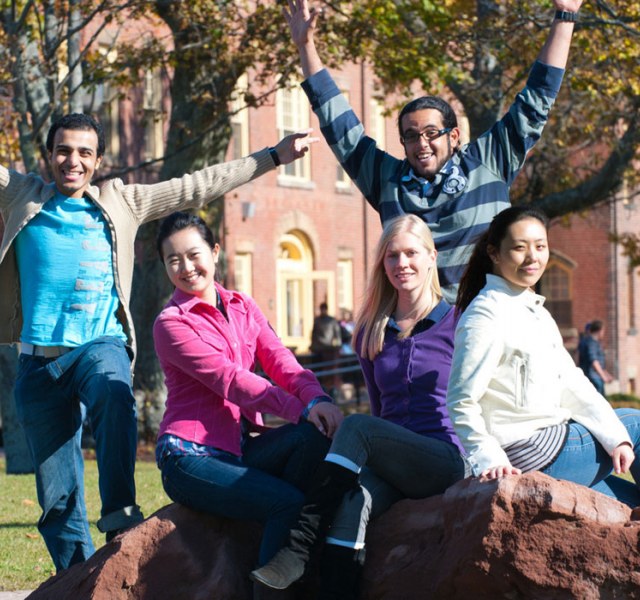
(24, 560)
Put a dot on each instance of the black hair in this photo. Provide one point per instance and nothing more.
(480, 263)
(449, 118)
(179, 221)
(595, 326)
(77, 121)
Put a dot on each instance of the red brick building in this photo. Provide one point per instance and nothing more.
(589, 278)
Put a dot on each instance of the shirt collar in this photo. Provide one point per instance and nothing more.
(435, 316)
(185, 302)
(526, 296)
(410, 179)
(439, 311)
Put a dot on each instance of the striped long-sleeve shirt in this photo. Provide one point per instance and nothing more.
(471, 188)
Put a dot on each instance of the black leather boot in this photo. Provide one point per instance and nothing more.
(322, 502)
(340, 573)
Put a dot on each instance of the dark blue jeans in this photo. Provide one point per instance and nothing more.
(598, 383)
(266, 484)
(51, 398)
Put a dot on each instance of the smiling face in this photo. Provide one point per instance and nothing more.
(407, 264)
(523, 254)
(427, 157)
(74, 159)
(191, 263)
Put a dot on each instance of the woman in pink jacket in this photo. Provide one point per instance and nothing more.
(208, 340)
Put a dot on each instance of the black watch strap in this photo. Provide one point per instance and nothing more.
(274, 156)
(565, 15)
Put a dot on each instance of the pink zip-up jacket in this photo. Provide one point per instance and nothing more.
(208, 364)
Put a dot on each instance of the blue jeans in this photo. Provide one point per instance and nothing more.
(266, 484)
(396, 463)
(598, 383)
(583, 460)
(51, 397)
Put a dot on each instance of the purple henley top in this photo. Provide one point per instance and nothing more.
(407, 380)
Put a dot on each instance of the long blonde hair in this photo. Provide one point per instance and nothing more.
(381, 297)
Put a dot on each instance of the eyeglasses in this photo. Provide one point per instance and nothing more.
(429, 134)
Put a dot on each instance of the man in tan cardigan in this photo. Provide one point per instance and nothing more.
(66, 265)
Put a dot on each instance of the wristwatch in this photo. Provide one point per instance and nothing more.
(274, 156)
(565, 15)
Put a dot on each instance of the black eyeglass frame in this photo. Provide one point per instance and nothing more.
(416, 135)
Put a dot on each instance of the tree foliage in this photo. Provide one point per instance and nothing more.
(481, 51)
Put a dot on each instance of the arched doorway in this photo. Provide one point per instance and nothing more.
(299, 290)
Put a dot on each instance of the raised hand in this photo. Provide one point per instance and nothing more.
(301, 21)
(568, 5)
(294, 146)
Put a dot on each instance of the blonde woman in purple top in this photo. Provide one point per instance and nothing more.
(208, 340)
(407, 449)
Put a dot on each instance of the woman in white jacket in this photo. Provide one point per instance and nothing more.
(517, 400)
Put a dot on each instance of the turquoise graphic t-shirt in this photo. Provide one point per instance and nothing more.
(66, 275)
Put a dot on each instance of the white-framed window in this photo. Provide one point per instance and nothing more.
(556, 286)
(109, 114)
(153, 115)
(105, 99)
(239, 120)
(377, 128)
(300, 289)
(292, 109)
(243, 272)
(344, 283)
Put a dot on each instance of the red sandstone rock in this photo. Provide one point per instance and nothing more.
(175, 554)
(527, 537)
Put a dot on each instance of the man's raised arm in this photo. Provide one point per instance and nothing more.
(555, 51)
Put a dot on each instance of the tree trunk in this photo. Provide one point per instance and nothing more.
(198, 136)
(151, 290)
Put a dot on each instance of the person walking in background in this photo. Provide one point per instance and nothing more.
(66, 265)
(517, 400)
(326, 334)
(407, 447)
(347, 325)
(326, 339)
(208, 340)
(591, 355)
(456, 189)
